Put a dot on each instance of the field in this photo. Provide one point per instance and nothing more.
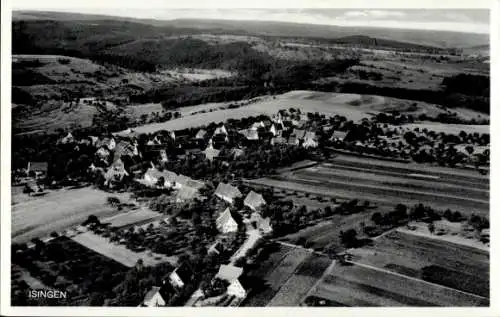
(408, 254)
(288, 274)
(134, 217)
(353, 106)
(120, 253)
(56, 211)
(449, 128)
(390, 183)
(359, 285)
(275, 271)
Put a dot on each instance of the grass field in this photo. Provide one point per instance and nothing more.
(275, 271)
(390, 183)
(407, 254)
(448, 128)
(132, 217)
(356, 285)
(56, 211)
(120, 253)
(298, 285)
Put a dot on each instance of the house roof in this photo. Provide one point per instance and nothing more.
(278, 140)
(152, 292)
(167, 175)
(188, 181)
(187, 193)
(220, 130)
(237, 152)
(310, 135)
(250, 134)
(38, 166)
(257, 125)
(211, 153)
(254, 200)
(339, 134)
(229, 272)
(298, 133)
(201, 134)
(124, 148)
(224, 218)
(227, 190)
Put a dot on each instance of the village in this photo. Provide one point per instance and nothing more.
(192, 181)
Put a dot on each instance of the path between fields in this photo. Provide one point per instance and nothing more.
(416, 279)
(325, 273)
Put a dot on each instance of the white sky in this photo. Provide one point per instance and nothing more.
(462, 20)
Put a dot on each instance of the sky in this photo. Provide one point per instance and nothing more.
(460, 20)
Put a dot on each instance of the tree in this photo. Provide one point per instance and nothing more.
(431, 227)
(377, 218)
(349, 238)
(469, 149)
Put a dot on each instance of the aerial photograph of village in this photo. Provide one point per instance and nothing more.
(250, 158)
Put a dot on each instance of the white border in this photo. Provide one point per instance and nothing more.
(5, 198)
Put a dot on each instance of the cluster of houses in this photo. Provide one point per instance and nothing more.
(226, 223)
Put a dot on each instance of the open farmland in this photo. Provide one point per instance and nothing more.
(359, 285)
(390, 183)
(55, 211)
(449, 128)
(464, 268)
(275, 271)
(120, 253)
(135, 217)
(298, 285)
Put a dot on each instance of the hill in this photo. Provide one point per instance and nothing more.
(442, 39)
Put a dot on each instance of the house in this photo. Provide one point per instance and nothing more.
(236, 289)
(273, 130)
(103, 153)
(254, 201)
(210, 152)
(125, 148)
(186, 193)
(261, 224)
(249, 134)
(338, 136)
(67, 139)
(38, 169)
(227, 192)
(115, 173)
(181, 275)
(110, 143)
(163, 156)
(229, 272)
(225, 222)
(298, 133)
(257, 125)
(154, 298)
(201, 135)
(221, 130)
(152, 176)
(235, 153)
(310, 140)
(183, 180)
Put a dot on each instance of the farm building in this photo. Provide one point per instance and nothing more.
(38, 169)
(221, 130)
(186, 193)
(154, 298)
(225, 222)
(229, 272)
(262, 224)
(227, 192)
(181, 275)
(254, 201)
(201, 135)
(210, 152)
(152, 176)
(67, 139)
(115, 173)
(109, 143)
